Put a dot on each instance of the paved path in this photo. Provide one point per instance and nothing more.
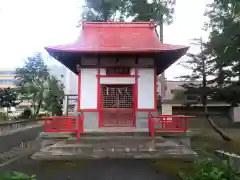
(90, 170)
(12, 131)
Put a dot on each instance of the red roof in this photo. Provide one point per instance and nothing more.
(116, 38)
(112, 37)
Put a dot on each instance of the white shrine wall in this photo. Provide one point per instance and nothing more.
(146, 96)
(146, 89)
(89, 97)
(89, 94)
(88, 89)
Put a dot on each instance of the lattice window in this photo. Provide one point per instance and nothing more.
(118, 70)
(117, 96)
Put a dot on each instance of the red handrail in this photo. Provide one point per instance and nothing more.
(167, 123)
(64, 124)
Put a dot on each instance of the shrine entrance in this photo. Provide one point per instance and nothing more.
(116, 107)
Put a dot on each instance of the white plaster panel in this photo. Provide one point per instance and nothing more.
(88, 89)
(146, 88)
(117, 80)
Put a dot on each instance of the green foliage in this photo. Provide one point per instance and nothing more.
(104, 10)
(137, 10)
(223, 48)
(31, 80)
(54, 97)
(8, 98)
(200, 85)
(3, 116)
(16, 176)
(208, 169)
(199, 82)
(26, 114)
(38, 86)
(141, 10)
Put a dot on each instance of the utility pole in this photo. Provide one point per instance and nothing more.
(162, 76)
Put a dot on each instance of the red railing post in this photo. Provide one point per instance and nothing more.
(185, 124)
(168, 123)
(150, 124)
(80, 120)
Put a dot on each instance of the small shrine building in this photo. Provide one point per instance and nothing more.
(117, 65)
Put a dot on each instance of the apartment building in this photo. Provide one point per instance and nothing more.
(170, 103)
(7, 77)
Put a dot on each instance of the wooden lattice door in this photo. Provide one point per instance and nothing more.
(117, 106)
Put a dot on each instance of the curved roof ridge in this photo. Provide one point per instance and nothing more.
(149, 24)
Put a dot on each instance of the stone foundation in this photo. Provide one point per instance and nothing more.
(113, 146)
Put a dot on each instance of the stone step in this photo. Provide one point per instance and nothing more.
(118, 145)
(106, 138)
(82, 151)
(130, 133)
(46, 135)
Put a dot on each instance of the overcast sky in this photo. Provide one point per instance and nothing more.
(26, 26)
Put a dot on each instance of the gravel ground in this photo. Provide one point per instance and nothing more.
(105, 169)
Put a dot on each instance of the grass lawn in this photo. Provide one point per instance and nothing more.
(207, 140)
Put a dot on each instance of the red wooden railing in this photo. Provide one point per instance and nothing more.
(167, 123)
(64, 124)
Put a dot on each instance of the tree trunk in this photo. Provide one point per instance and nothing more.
(36, 110)
(7, 114)
(38, 107)
(218, 130)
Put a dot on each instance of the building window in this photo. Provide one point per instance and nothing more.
(6, 73)
(7, 81)
(118, 70)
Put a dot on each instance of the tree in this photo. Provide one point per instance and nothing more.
(137, 10)
(202, 70)
(54, 96)
(105, 10)
(36, 84)
(8, 98)
(223, 47)
(31, 81)
(224, 40)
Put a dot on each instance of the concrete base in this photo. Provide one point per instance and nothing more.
(114, 146)
(48, 139)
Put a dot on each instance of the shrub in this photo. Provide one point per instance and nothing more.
(16, 176)
(209, 169)
(26, 114)
(3, 116)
